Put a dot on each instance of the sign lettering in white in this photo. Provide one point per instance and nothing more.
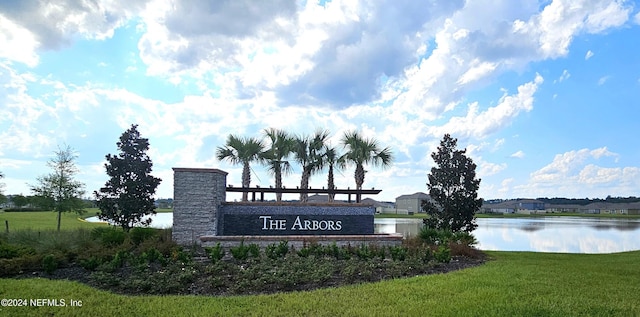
(301, 224)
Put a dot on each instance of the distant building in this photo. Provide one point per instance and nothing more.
(522, 206)
(411, 203)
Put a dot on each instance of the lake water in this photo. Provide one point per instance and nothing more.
(540, 234)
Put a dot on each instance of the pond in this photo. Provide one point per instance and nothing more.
(539, 234)
(542, 234)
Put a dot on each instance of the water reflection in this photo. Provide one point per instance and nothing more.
(541, 234)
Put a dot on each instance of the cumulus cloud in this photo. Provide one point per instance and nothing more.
(519, 154)
(53, 24)
(573, 173)
(480, 124)
(18, 44)
(565, 75)
(565, 164)
(397, 70)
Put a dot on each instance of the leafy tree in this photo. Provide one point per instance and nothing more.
(454, 189)
(275, 157)
(309, 153)
(59, 187)
(19, 200)
(44, 203)
(333, 161)
(243, 151)
(128, 195)
(361, 151)
(3, 198)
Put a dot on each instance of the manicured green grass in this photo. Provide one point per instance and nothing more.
(47, 220)
(512, 284)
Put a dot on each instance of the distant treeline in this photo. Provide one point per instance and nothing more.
(575, 201)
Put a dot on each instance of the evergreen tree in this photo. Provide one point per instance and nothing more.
(3, 198)
(453, 187)
(128, 195)
(59, 188)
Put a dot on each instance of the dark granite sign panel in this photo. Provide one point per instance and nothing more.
(276, 224)
(296, 220)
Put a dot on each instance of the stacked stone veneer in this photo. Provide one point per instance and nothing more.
(198, 195)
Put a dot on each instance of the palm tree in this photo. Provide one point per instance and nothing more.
(243, 151)
(309, 154)
(332, 160)
(360, 151)
(275, 157)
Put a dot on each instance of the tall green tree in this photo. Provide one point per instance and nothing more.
(127, 196)
(59, 187)
(243, 151)
(3, 198)
(281, 145)
(309, 153)
(453, 187)
(19, 200)
(361, 151)
(332, 161)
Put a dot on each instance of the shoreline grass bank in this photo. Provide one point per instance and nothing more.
(511, 284)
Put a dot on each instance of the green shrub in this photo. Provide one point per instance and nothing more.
(442, 254)
(8, 251)
(304, 252)
(120, 258)
(398, 253)
(215, 253)
(152, 255)
(364, 252)
(180, 255)
(49, 263)
(108, 236)
(140, 234)
(90, 263)
(254, 250)
(435, 236)
(9, 267)
(241, 252)
(340, 253)
(280, 250)
(464, 238)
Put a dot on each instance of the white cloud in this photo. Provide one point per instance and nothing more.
(54, 24)
(574, 173)
(561, 20)
(637, 18)
(588, 55)
(603, 80)
(477, 72)
(519, 154)
(565, 75)
(480, 124)
(18, 44)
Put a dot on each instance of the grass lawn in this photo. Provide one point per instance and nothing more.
(512, 284)
(47, 220)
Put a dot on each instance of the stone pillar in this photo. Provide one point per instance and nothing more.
(198, 194)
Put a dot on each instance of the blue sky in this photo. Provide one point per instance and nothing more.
(542, 94)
